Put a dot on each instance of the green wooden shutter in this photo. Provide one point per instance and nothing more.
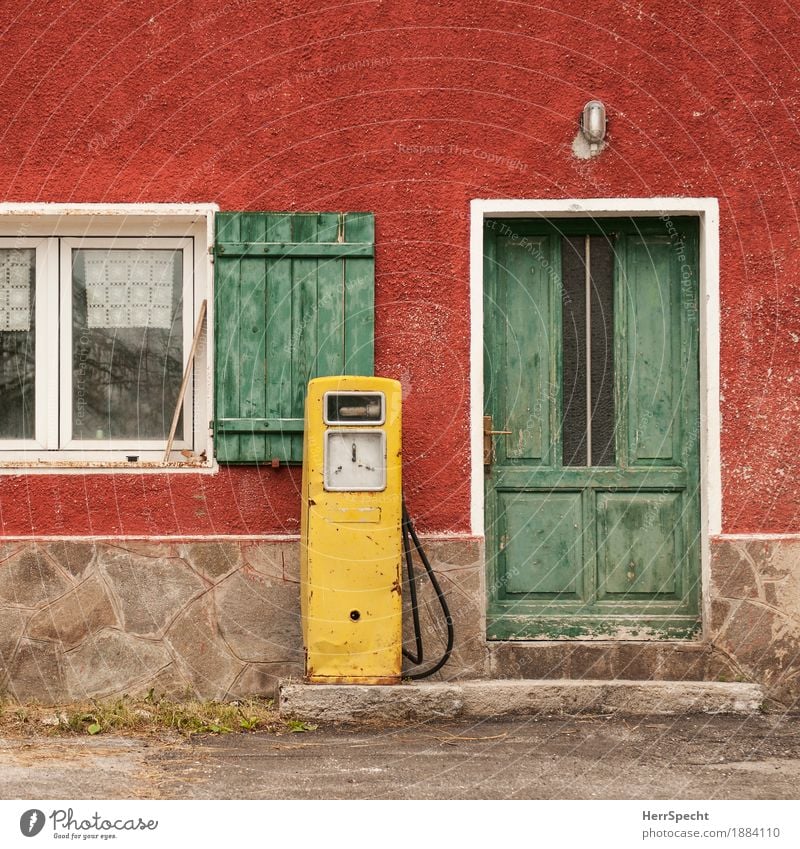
(293, 300)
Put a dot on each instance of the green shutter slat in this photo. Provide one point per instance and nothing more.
(294, 300)
(228, 229)
(328, 230)
(279, 338)
(330, 305)
(304, 320)
(359, 298)
(226, 307)
(252, 332)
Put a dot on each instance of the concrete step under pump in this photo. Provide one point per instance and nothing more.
(421, 701)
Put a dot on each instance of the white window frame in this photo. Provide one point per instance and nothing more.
(53, 230)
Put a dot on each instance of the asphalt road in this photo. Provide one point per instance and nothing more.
(542, 758)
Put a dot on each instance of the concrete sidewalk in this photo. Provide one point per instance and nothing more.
(685, 757)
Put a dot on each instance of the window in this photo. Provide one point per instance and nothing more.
(97, 318)
(98, 310)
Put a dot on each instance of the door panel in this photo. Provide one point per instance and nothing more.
(542, 553)
(653, 338)
(591, 360)
(638, 545)
(526, 337)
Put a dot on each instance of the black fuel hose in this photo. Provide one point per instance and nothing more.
(409, 537)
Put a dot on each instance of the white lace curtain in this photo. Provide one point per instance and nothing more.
(129, 288)
(16, 279)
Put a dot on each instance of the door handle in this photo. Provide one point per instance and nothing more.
(488, 444)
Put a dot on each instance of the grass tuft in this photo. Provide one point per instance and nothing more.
(149, 715)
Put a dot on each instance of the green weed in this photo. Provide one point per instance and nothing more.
(152, 714)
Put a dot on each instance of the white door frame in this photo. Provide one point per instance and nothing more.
(707, 211)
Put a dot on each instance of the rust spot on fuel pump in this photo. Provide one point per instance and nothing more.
(396, 588)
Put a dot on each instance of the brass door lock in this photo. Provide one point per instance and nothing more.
(488, 443)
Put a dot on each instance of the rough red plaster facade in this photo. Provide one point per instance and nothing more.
(410, 110)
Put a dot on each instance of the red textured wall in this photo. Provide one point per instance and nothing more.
(410, 109)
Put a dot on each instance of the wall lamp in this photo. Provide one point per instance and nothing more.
(593, 124)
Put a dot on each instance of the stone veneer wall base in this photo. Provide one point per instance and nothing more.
(221, 620)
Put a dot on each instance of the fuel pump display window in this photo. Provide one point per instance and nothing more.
(355, 460)
(355, 408)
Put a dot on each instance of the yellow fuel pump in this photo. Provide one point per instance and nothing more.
(351, 541)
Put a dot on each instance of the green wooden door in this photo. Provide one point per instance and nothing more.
(591, 361)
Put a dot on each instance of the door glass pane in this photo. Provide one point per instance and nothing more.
(127, 343)
(601, 264)
(588, 376)
(573, 356)
(17, 343)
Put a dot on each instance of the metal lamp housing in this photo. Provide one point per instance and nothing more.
(593, 122)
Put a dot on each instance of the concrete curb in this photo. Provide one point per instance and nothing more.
(480, 699)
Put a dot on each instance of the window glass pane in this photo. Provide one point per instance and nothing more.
(601, 265)
(573, 324)
(17, 343)
(127, 342)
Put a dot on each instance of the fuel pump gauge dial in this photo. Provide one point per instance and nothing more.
(355, 460)
(354, 408)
